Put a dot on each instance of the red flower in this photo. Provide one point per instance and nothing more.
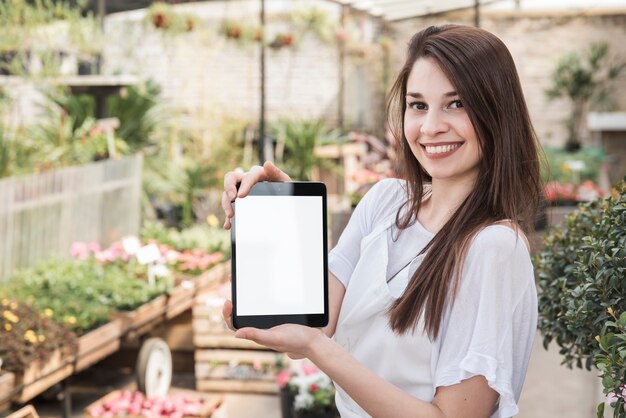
(313, 388)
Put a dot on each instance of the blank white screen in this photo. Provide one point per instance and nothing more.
(279, 255)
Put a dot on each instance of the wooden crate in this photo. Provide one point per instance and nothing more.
(213, 277)
(180, 298)
(97, 344)
(7, 383)
(211, 405)
(40, 376)
(209, 328)
(250, 371)
(142, 319)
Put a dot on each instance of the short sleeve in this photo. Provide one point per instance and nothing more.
(489, 329)
(378, 203)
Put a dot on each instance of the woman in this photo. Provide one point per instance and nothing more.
(433, 302)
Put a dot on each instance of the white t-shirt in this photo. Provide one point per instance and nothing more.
(489, 330)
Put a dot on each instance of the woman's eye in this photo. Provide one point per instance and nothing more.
(455, 104)
(417, 105)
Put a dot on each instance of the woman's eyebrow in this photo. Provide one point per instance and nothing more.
(420, 96)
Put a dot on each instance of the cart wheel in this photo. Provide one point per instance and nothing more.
(154, 368)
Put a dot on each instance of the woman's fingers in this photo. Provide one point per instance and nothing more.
(274, 173)
(255, 175)
(227, 314)
(267, 172)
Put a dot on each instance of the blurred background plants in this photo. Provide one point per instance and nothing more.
(586, 81)
(28, 335)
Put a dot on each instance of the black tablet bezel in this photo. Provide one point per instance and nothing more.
(268, 321)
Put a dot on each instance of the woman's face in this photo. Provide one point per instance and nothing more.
(437, 127)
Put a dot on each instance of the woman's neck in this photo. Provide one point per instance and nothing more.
(445, 198)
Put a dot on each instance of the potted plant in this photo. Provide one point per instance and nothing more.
(585, 81)
(580, 277)
(306, 392)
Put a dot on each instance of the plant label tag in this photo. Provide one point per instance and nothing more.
(148, 254)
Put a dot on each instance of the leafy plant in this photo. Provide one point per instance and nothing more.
(61, 141)
(139, 114)
(610, 362)
(199, 236)
(580, 272)
(26, 335)
(296, 142)
(573, 167)
(82, 293)
(584, 80)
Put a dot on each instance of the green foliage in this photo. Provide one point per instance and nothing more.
(82, 294)
(580, 272)
(296, 142)
(610, 362)
(138, 113)
(584, 80)
(27, 335)
(559, 168)
(199, 236)
(61, 141)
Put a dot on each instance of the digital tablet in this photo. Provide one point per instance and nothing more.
(279, 256)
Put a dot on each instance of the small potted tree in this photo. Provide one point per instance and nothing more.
(580, 276)
(585, 81)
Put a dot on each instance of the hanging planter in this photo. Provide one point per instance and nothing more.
(231, 29)
(281, 40)
(163, 17)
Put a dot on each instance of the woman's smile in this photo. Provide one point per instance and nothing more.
(436, 151)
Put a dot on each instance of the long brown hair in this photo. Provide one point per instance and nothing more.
(508, 187)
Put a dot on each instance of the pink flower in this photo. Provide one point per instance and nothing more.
(313, 388)
(79, 250)
(282, 378)
(308, 369)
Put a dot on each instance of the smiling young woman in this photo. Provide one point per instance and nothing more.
(432, 293)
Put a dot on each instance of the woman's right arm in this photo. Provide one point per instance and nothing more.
(269, 172)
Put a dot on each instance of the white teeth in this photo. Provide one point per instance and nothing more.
(440, 149)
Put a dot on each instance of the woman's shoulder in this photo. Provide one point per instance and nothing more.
(385, 197)
(503, 236)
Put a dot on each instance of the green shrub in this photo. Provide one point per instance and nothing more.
(610, 362)
(580, 272)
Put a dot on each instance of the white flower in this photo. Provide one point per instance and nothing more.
(160, 270)
(303, 401)
(131, 245)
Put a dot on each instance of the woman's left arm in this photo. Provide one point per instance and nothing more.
(471, 398)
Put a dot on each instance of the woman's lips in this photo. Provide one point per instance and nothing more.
(442, 150)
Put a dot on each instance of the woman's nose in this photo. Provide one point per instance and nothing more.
(434, 123)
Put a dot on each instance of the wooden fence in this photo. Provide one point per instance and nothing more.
(41, 215)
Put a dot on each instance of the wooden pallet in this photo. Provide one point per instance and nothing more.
(209, 328)
(142, 319)
(98, 344)
(213, 277)
(38, 376)
(7, 383)
(250, 371)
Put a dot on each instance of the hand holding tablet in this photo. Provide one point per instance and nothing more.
(279, 256)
